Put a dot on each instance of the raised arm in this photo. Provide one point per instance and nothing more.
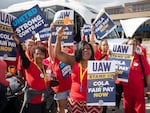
(67, 59)
(50, 47)
(25, 60)
(92, 41)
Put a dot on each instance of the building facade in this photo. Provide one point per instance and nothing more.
(132, 10)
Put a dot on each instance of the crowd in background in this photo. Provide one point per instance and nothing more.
(55, 76)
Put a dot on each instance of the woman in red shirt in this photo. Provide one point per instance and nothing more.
(102, 52)
(62, 73)
(35, 74)
(78, 63)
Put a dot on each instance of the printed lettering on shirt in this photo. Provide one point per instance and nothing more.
(65, 69)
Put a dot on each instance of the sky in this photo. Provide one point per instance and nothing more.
(96, 3)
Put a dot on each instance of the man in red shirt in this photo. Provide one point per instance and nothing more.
(134, 101)
(139, 43)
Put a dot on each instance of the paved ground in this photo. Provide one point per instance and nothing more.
(121, 110)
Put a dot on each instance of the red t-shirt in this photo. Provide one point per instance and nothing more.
(19, 66)
(75, 92)
(135, 77)
(35, 80)
(62, 75)
(99, 56)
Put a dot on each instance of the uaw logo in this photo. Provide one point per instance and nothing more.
(64, 17)
(100, 102)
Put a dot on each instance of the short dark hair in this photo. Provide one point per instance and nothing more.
(80, 47)
(139, 40)
(41, 48)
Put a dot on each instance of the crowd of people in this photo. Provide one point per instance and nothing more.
(56, 79)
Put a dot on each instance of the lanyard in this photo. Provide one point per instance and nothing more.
(43, 72)
(82, 74)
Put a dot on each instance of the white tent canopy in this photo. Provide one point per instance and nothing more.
(131, 25)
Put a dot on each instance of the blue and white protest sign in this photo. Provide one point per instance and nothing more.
(122, 54)
(64, 18)
(103, 25)
(101, 85)
(44, 34)
(7, 44)
(87, 29)
(29, 23)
